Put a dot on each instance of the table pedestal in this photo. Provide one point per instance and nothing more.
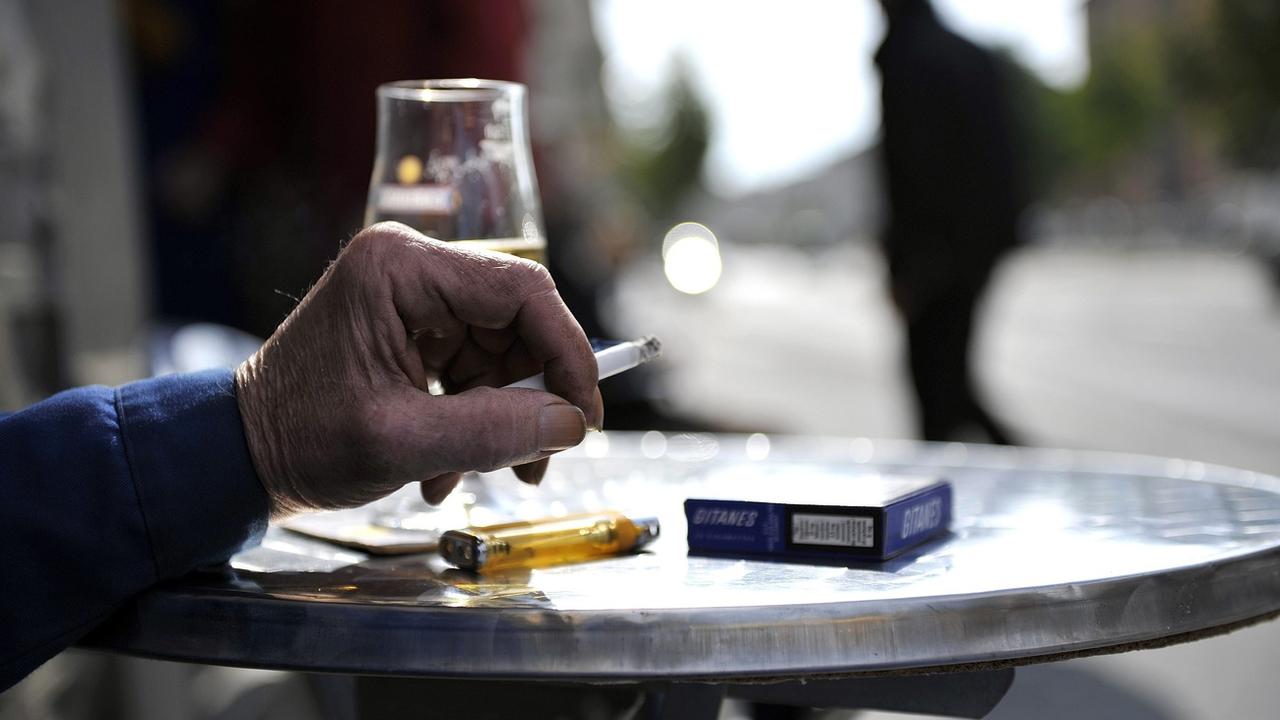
(957, 694)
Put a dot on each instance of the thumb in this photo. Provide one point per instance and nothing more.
(488, 428)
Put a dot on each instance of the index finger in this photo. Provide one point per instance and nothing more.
(554, 338)
(494, 291)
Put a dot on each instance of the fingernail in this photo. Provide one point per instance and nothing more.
(532, 473)
(597, 422)
(433, 494)
(525, 473)
(560, 427)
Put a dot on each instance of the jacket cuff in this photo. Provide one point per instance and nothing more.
(200, 496)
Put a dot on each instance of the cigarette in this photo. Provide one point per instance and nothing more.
(611, 357)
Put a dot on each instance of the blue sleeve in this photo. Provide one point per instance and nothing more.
(104, 492)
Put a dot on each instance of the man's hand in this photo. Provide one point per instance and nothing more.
(336, 405)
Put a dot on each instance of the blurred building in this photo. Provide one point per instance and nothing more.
(73, 290)
(836, 204)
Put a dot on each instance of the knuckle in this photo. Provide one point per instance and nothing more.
(370, 238)
(520, 279)
(384, 239)
(535, 277)
(363, 252)
(383, 250)
(373, 239)
(386, 229)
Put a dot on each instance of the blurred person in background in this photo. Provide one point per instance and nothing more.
(258, 132)
(954, 198)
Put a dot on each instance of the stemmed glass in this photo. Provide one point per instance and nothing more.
(454, 161)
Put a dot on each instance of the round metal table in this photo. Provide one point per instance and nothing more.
(1052, 553)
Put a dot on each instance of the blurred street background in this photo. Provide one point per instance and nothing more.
(711, 174)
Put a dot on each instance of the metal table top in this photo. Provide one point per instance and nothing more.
(1051, 552)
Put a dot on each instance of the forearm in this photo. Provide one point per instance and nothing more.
(104, 492)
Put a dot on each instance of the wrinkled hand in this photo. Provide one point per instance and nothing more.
(336, 406)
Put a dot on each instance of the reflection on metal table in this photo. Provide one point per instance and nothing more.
(1053, 553)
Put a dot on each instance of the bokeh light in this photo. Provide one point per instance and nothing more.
(691, 258)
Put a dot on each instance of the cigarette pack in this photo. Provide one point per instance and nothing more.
(864, 517)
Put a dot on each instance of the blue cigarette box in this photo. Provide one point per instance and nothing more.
(869, 518)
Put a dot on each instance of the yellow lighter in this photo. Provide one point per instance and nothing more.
(550, 541)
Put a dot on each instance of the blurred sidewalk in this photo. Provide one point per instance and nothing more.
(1169, 352)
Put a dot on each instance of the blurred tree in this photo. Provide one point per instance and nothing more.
(661, 173)
(1126, 94)
(1078, 138)
(1183, 79)
(1049, 133)
(1235, 79)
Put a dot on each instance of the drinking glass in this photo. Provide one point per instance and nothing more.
(454, 162)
